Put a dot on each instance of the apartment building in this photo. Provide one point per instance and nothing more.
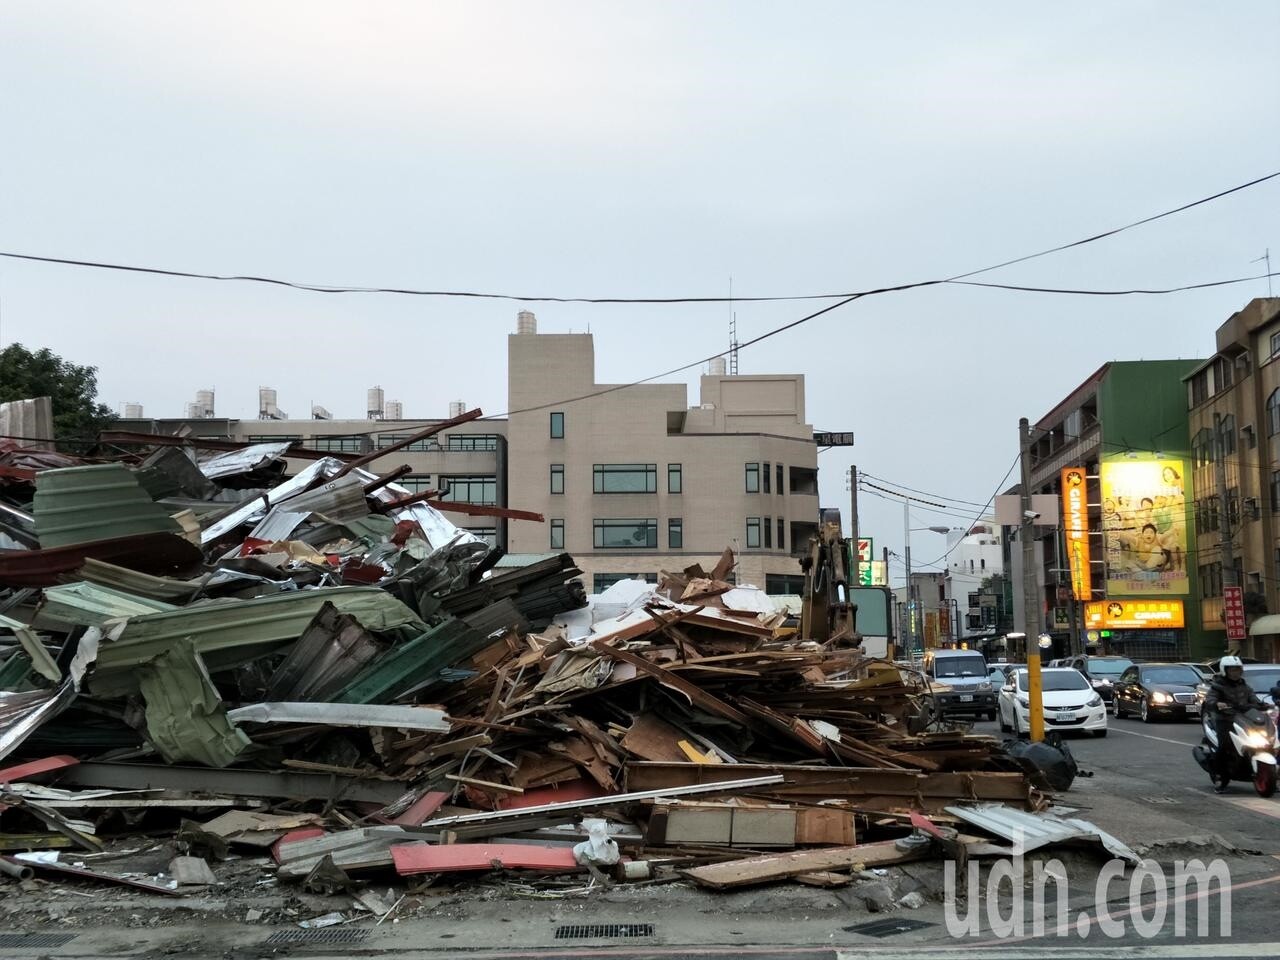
(1127, 584)
(1233, 402)
(632, 480)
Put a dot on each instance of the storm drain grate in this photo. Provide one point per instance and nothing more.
(36, 939)
(1159, 799)
(889, 927)
(602, 931)
(346, 935)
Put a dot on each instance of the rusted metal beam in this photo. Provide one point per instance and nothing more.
(476, 510)
(412, 438)
(406, 501)
(386, 478)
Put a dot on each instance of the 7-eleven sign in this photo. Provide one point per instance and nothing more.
(866, 548)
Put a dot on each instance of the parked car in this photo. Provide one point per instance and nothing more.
(1070, 703)
(964, 674)
(1156, 690)
(1101, 672)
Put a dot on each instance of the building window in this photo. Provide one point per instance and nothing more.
(625, 478)
(1233, 507)
(1227, 434)
(557, 426)
(982, 564)
(338, 444)
(557, 534)
(1273, 413)
(601, 582)
(1202, 447)
(471, 441)
(1250, 437)
(675, 534)
(764, 476)
(753, 478)
(479, 490)
(626, 534)
(753, 532)
(278, 438)
(768, 529)
(418, 446)
(783, 585)
(488, 534)
(557, 478)
(675, 478)
(1211, 580)
(779, 484)
(782, 537)
(1275, 345)
(416, 482)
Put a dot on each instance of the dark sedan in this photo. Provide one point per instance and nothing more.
(1156, 690)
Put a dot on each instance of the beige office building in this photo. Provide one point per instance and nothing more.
(631, 480)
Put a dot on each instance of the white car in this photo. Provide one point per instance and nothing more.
(1070, 703)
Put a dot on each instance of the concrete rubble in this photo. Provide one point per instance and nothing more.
(217, 675)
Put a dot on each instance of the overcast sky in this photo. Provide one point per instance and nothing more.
(637, 149)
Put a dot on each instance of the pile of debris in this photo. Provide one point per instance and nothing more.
(322, 672)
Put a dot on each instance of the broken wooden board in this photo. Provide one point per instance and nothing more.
(780, 866)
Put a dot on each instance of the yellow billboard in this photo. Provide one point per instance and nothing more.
(1134, 615)
(1075, 521)
(1144, 527)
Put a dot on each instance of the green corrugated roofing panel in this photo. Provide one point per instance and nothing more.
(137, 584)
(411, 663)
(100, 502)
(186, 719)
(88, 605)
(230, 632)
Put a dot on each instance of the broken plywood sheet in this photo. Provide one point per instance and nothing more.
(779, 866)
(652, 738)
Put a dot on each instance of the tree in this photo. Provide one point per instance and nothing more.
(74, 390)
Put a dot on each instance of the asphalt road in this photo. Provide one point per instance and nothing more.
(1149, 768)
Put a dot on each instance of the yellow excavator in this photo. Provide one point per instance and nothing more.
(827, 615)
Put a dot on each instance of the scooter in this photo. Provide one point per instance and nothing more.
(1253, 733)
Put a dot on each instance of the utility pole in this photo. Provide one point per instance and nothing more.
(855, 575)
(1226, 542)
(909, 630)
(1032, 601)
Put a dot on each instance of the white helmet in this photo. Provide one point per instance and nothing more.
(1229, 661)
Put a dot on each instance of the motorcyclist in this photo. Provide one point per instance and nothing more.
(1228, 694)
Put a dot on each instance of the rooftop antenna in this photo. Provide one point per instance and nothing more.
(1266, 257)
(733, 334)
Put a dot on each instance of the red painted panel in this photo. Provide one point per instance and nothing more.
(33, 768)
(456, 857)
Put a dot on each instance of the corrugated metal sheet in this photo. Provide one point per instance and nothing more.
(1031, 831)
(245, 460)
(89, 605)
(101, 502)
(227, 633)
(516, 560)
(186, 718)
(134, 583)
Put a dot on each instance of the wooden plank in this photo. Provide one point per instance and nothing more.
(483, 784)
(825, 879)
(415, 858)
(700, 697)
(780, 866)
(652, 738)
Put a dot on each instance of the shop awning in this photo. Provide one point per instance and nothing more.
(1265, 626)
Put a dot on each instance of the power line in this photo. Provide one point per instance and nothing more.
(1114, 293)
(925, 493)
(540, 298)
